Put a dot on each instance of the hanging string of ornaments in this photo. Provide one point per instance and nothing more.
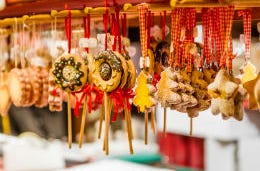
(183, 75)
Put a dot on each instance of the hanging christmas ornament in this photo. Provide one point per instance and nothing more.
(55, 95)
(40, 85)
(19, 80)
(144, 98)
(70, 73)
(5, 101)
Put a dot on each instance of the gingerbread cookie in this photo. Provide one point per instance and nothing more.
(108, 71)
(70, 72)
(5, 101)
(44, 89)
(19, 87)
(55, 95)
(131, 76)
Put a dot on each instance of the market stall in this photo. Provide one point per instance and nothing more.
(96, 64)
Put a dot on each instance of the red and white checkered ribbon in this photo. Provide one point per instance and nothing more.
(226, 26)
(190, 18)
(247, 20)
(143, 9)
(175, 36)
(206, 34)
(217, 35)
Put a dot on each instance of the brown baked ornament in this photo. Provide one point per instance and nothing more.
(107, 71)
(70, 74)
(227, 96)
(20, 87)
(113, 73)
(5, 101)
(55, 95)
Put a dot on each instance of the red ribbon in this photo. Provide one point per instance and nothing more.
(118, 101)
(87, 91)
(106, 22)
(156, 79)
(118, 29)
(114, 30)
(54, 92)
(68, 27)
(119, 96)
(163, 24)
(86, 24)
(246, 14)
(98, 99)
(128, 94)
(149, 16)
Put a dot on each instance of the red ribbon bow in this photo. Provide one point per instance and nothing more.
(87, 90)
(128, 94)
(117, 98)
(98, 99)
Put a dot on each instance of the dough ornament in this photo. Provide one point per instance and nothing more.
(55, 95)
(143, 98)
(227, 96)
(108, 71)
(42, 76)
(111, 75)
(249, 72)
(70, 72)
(145, 90)
(5, 101)
(253, 89)
(19, 87)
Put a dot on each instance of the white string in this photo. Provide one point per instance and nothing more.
(23, 46)
(54, 37)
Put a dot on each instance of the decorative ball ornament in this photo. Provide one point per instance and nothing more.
(107, 70)
(70, 72)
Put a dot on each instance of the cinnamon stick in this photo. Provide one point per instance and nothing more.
(146, 127)
(129, 132)
(153, 121)
(191, 125)
(164, 120)
(83, 122)
(69, 122)
(101, 121)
